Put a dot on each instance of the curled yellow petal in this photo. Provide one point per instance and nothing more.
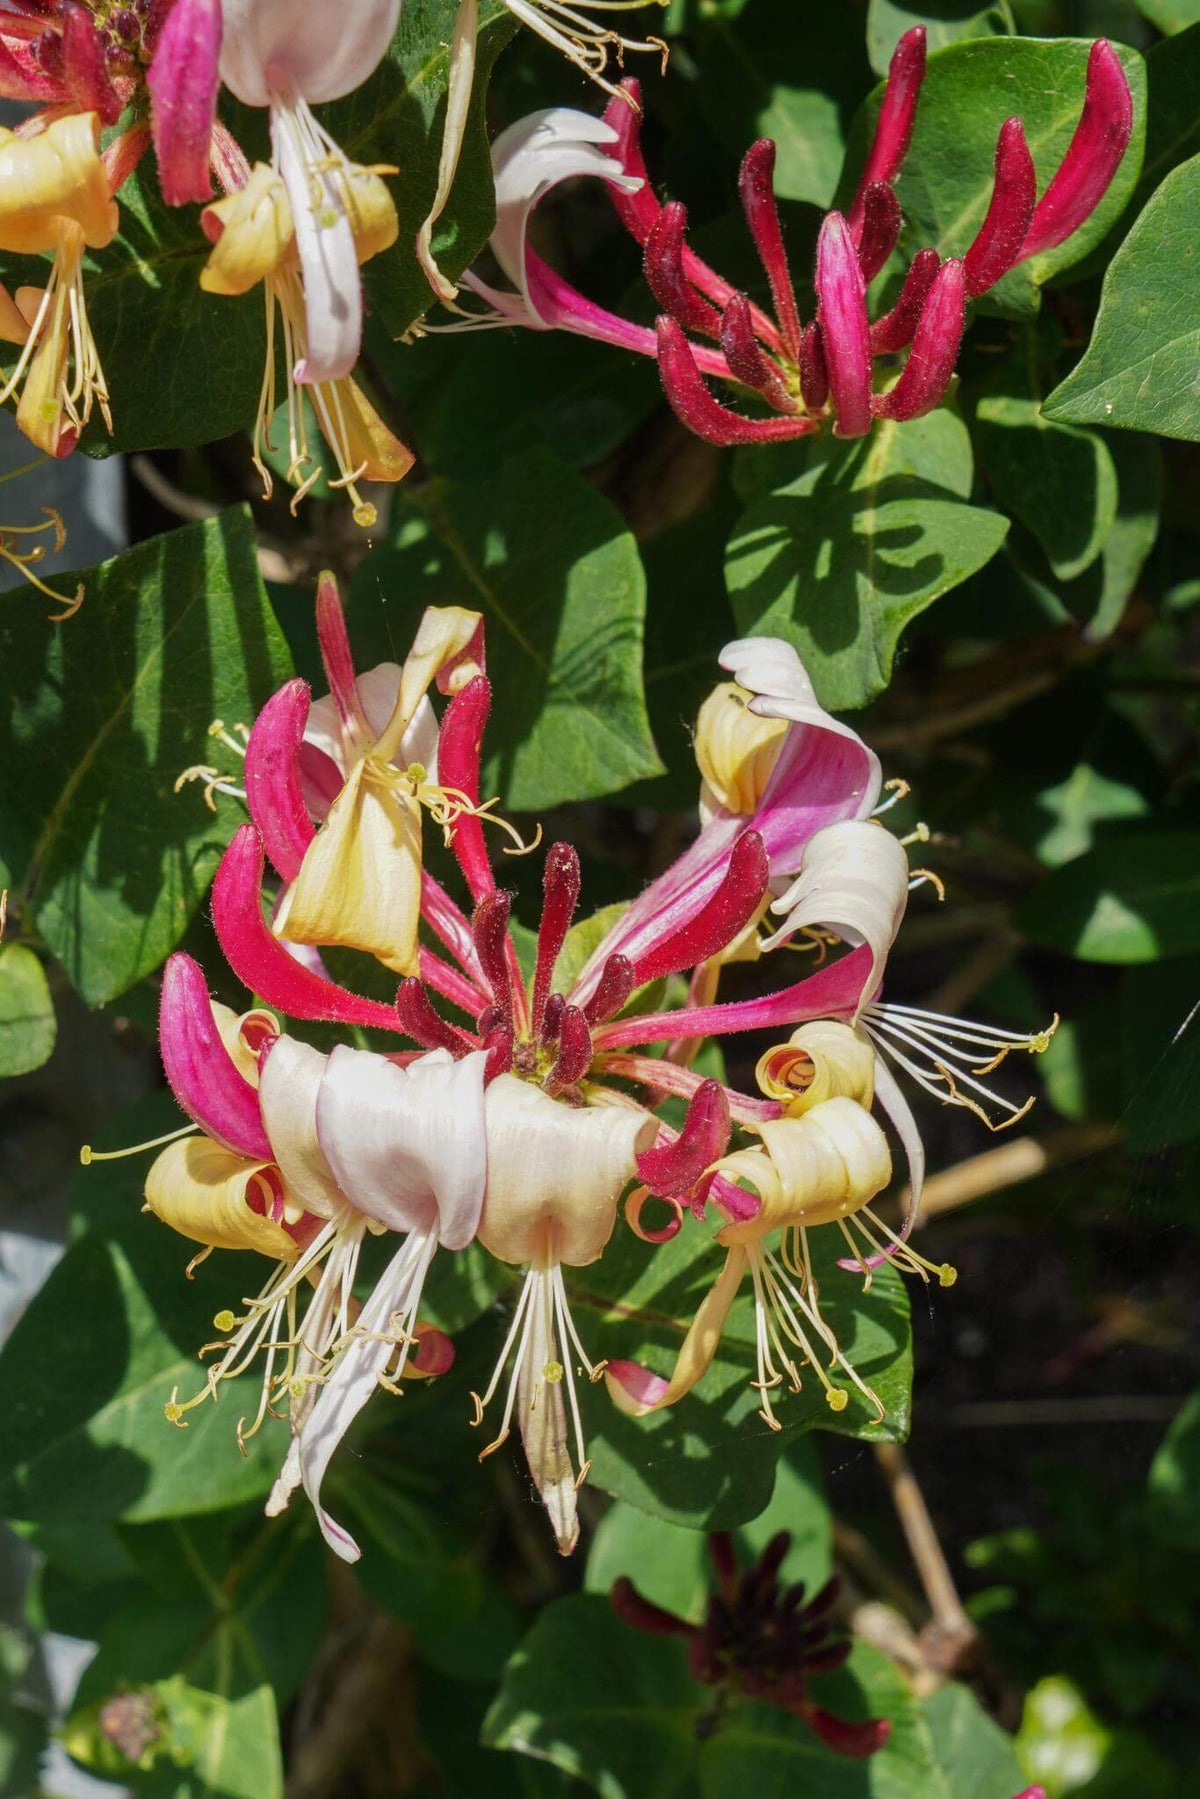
(810, 1170)
(209, 1194)
(252, 233)
(243, 1034)
(818, 1062)
(55, 175)
(443, 635)
(736, 750)
(360, 882)
(633, 1391)
(14, 326)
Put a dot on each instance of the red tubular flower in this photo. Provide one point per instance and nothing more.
(183, 79)
(880, 228)
(894, 128)
(202, 1074)
(997, 245)
(560, 887)
(756, 185)
(274, 790)
(663, 268)
(460, 746)
(934, 350)
(673, 1169)
(722, 918)
(1092, 157)
(747, 363)
(845, 328)
(894, 331)
(707, 418)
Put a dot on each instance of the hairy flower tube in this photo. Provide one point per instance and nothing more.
(761, 1640)
(825, 371)
(526, 1112)
(588, 43)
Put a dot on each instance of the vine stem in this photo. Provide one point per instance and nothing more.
(950, 1638)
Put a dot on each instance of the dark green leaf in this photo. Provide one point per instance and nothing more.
(1161, 1053)
(1170, 15)
(1133, 898)
(1174, 1483)
(1058, 480)
(102, 715)
(845, 555)
(559, 582)
(1141, 370)
(27, 1024)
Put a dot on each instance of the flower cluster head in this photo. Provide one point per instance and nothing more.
(516, 1108)
(803, 375)
(761, 1640)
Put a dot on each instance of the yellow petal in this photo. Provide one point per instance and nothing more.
(242, 1034)
(360, 882)
(253, 234)
(810, 1170)
(735, 749)
(818, 1062)
(373, 452)
(698, 1348)
(57, 174)
(442, 635)
(40, 413)
(370, 210)
(14, 326)
(203, 1191)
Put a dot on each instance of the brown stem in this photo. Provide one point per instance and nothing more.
(950, 1638)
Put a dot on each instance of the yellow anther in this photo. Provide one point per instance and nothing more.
(224, 1321)
(947, 1275)
(837, 1398)
(553, 1372)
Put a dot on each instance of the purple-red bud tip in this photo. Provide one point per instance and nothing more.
(897, 115)
(1092, 157)
(926, 374)
(997, 245)
(845, 328)
(880, 228)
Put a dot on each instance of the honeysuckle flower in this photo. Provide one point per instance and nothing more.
(528, 160)
(254, 239)
(567, 29)
(555, 1175)
(761, 1641)
(55, 197)
(805, 376)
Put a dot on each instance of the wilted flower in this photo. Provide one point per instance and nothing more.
(760, 1640)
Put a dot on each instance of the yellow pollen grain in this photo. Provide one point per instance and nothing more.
(947, 1275)
(837, 1398)
(553, 1372)
(224, 1321)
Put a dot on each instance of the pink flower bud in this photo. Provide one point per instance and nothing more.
(897, 114)
(420, 1021)
(746, 359)
(756, 185)
(845, 330)
(684, 387)
(673, 1169)
(614, 986)
(998, 242)
(880, 228)
(460, 745)
(814, 376)
(895, 329)
(665, 278)
(183, 80)
(560, 888)
(934, 352)
(623, 114)
(718, 921)
(1092, 156)
(574, 1050)
(85, 70)
(274, 791)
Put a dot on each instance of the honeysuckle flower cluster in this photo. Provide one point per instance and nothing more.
(824, 371)
(761, 1640)
(517, 1109)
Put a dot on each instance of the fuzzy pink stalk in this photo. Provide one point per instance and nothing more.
(460, 747)
(662, 265)
(183, 79)
(262, 963)
(706, 417)
(560, 889)
(997, 244)
(897, 115)
(449, 982)
(895, 329)
(449, 923)
(935, 346)
(845, 328)
(202, 1074)
(1092, 156)
(273, 788)
(673, 1169)
(562, 307)
(756, 186)
(835, 991)
(718, 921)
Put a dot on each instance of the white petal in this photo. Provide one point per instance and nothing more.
(328, 258)
(891, 1097)
(287, 1090)
(315, 50)
(378, 690)
(407, 1145)
(532, 157)
(853, 881)
(771, 670)
(555, 1173)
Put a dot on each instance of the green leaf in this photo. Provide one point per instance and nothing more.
(618, 1709)
(1059, 480)
(1174, 1481)
(1170, 15)
(977, 1759)
(1172, 125)
(945, 22)
(559, 582)
(85, 1437)
(946, 182)
(1133, 898)
(27, 1023)
(102, 715)
(1160, 1046)
(709, 1462)
(789, 74)
(903, 538)
(1141, 370)
(203, 1745)
(671, 1566)
(396, 118)
(412, 1565)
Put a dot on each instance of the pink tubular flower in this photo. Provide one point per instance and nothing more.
(805, 376)
(183, 79)
(526, 1111)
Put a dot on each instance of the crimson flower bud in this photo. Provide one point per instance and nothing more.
(845, 330)
(1092, 156)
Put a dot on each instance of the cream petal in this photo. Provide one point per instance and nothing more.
(270, 45)
(853, 881)
(289, 1081)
